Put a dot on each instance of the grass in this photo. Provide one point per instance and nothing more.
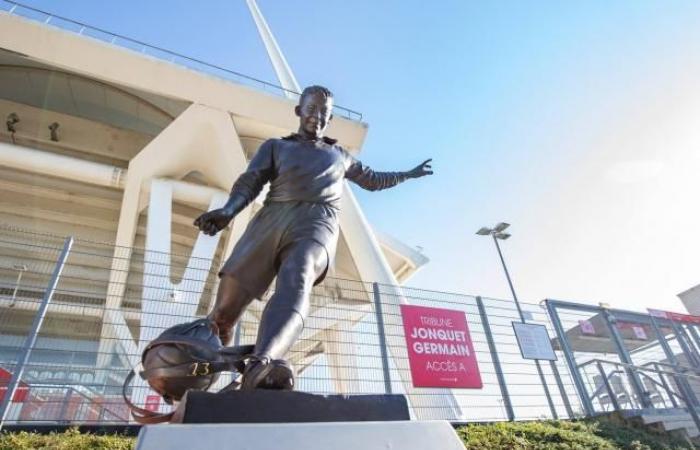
(598, 434)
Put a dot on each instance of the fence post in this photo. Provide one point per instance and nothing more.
(562, 390)
(684, 388)
(496, 362)
(569, 356)
(694, 333)
(382, 337)
(33, 333)
(606, 383)
(64, 407)
(543, 380)
(670, 393)
(684, 342)
(636, 382)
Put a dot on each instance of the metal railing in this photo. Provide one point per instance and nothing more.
(353, 341)
(605, 380)
(613, 391)
(125, 42)
(110, 301)
(69, 404)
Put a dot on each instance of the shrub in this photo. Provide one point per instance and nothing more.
(71, 439)
(598, 434)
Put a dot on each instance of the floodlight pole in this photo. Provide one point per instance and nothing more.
(495, 232)
(510, 282)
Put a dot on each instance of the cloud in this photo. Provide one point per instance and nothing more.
(634, 171)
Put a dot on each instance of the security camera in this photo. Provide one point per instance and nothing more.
(12, 119)
(54, 131)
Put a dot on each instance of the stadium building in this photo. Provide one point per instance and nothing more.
(121, 145)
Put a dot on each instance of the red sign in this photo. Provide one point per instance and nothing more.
(22, 388)
(152, 403)
(440, 350)
(637, 329)
(678, 317)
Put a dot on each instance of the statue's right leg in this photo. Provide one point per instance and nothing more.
(231, 301)
(282, 321)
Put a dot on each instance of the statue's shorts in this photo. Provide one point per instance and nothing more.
(255, 258)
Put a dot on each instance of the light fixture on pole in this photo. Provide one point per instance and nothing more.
(497, 234)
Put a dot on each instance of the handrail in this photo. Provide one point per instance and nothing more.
(640, 371)
(72, 388)
(34, 381)
(602, 386)
(683, 369)
(172, 55)
(659, 384)
(632, 366)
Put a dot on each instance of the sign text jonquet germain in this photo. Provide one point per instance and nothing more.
(440, 349)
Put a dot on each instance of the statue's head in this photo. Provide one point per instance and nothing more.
(314, 111)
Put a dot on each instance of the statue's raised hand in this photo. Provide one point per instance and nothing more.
(213, 221)
(421, 170)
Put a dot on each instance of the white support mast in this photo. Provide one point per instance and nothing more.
(282, 69)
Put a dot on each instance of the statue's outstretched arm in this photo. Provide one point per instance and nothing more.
(368, 179)
(244, 190)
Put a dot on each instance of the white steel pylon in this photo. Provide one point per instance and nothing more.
(284, 73)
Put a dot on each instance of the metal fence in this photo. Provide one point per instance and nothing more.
(108, 302)
(83, 29)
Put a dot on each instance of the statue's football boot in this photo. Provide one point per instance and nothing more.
(263, 373)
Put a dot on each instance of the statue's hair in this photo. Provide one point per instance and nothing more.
(316, 89)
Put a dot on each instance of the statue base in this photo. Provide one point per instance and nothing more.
(265, 406)
(303, 436)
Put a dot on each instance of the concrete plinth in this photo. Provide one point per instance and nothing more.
(302, 436)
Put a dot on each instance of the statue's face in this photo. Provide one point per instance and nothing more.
(314, 113)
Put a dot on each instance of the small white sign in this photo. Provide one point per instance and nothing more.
(534, 341)
(586, 327)
(639, 333)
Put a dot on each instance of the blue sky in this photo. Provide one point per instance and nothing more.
(577, 122)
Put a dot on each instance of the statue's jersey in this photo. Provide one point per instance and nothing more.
(307, 171)
(306, 184)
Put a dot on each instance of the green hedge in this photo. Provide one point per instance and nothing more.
(70, 440)
(543, 435)
(599, 434)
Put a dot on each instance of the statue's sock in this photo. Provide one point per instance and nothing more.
(226, 335)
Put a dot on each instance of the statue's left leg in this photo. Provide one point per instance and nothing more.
(282, 321)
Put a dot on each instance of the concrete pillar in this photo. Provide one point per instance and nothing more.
(340, 353)
(163, 302)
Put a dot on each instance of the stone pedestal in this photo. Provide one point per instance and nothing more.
(401, 435)
(264, 406)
